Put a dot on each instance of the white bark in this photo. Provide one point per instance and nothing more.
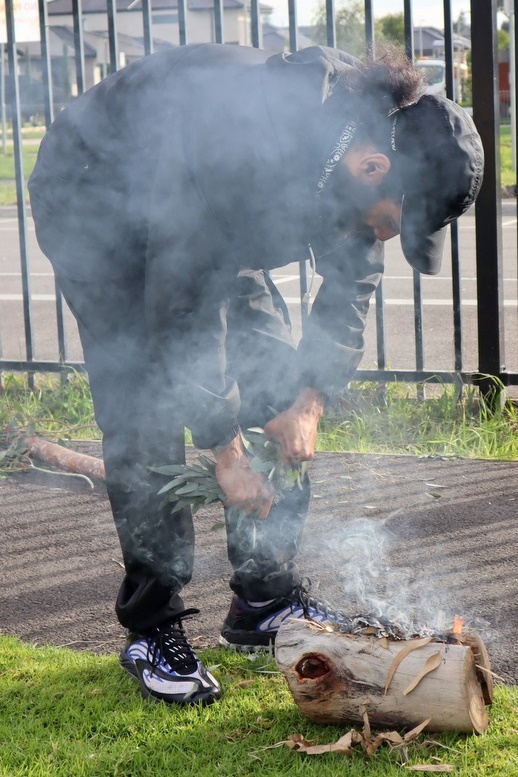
(331, 674)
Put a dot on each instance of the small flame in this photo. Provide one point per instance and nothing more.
(458, 624)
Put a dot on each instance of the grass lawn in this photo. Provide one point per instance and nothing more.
(506, 162)
(68, 714)
(445, 424)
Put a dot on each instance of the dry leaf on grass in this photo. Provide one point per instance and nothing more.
(411, 645)
(431, 768)
(433, 662)
(245, 683)
(387, 737)
(410, 735)
(345, 745)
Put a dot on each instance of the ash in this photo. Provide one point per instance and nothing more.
(380, 626)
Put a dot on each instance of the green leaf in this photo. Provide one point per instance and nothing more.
(170, 469)
(179, 506)
(208, 463)
(189, 488)
(169, 486)
(246, 444)
(217, 526)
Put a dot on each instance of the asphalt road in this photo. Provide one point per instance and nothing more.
(398, 290)
(418, 539)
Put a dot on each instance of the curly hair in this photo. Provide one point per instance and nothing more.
(389, 73)
(384, 83)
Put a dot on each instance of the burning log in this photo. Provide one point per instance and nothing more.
(331, 674)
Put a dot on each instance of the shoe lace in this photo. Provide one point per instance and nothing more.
(169, 643)
(310, 605)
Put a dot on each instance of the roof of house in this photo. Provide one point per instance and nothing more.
(60, 38)
(132, 46)
(434, 38)
(55, 7)
(277, 39)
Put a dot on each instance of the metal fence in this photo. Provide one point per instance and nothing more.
(495, 321)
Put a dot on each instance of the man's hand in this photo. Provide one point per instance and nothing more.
(296, 429)
(242, 487)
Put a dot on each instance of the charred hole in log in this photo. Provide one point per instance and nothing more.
(312, 667)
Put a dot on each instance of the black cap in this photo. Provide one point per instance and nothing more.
(439, 160)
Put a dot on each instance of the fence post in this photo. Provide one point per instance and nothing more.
(489, 254)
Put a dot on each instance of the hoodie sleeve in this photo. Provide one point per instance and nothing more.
(333, 343)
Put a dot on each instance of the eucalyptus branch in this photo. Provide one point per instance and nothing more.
(196, 486)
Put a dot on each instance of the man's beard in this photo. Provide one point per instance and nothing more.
(345, 202)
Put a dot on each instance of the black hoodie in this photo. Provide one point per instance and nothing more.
(206, 160)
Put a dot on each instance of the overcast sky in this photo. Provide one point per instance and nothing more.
(425, 12)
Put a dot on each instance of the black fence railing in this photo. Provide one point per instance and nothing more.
(72, 54)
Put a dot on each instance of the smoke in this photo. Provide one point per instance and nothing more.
(163, 197)
(375, 580)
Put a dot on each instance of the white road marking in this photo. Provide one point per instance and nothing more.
(29, 226)
(34, 297)
(508, 303)
(429, 278)
(32, 274)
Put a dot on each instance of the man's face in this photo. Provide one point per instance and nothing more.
(384, 218)
(356, 196)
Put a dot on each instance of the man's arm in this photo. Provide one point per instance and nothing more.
(243, 488)
(333, 344)
(296, 429)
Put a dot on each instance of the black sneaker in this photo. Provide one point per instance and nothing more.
(253, 628)
(166, 667)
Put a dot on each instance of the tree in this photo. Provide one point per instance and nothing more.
(459, 26)
(350, 27)
(503, 40)
(391, 28)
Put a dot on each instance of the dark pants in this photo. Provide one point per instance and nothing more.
(142, 427)
(97, 249)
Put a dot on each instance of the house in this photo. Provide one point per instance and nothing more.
(200, 19)
(429, 42)
(429, 46)
(277, 39)
(62, 62)
(200, 24)
(63, 66)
